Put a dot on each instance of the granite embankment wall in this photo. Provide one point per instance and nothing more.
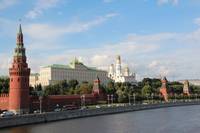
(56, 116)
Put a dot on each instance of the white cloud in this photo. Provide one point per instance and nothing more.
(197, 21)
(46, 31)
(40, 7)
(153, 64)
(153, 38)
(174, 2)
(148, 55)
(173, 54)
(46, 36)
(5, 63)
(7, 3)
(99, 59)
(160, 68)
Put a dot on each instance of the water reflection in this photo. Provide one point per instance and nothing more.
(166, 120)
(17, 130)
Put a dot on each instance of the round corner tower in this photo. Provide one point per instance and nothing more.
(19, 78)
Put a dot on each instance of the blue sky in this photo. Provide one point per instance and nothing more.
(154, 37)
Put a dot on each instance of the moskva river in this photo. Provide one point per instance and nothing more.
(166, 120)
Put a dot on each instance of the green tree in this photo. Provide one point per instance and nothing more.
(4, 84)
(73, 83)
(122, 97)
(63, 86)
(110, 88)
(38, 87)
(147, 90)
(52, 90)
(195, 89)
(85, 88)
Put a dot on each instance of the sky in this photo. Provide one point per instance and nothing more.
(154, 37)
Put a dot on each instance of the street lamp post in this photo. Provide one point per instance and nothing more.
(160, 97)
(108, 99)
(129, 99)
(175, 97)
(112, 99)
(40, 98)
(134, 98)
(196, 96)
(152, 97)
(189, 98)
(82, 100)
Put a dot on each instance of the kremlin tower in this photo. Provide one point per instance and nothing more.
(186, 87)
(97, 88)
(19, 78)
(163, 89)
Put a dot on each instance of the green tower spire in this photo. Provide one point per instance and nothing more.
(20, 29)
(20, 50)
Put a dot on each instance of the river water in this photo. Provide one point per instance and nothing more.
(166, 120)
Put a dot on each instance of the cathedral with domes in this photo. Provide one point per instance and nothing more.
(120, 75)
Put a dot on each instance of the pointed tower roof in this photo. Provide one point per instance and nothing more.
(164, 78)
(20, 35)
(20, 50)
(20, 29)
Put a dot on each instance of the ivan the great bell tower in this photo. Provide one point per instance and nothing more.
(19, 78)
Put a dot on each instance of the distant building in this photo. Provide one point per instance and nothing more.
(117, 74)
(76, 70)
(34, 79)
(192, 81)
(186, 88)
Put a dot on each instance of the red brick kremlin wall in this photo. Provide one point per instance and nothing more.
(49, 103)
(4, 101)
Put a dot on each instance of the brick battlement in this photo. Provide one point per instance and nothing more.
(4, 95)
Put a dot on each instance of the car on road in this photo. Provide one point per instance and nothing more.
(109, 105)
(98, 107)
(57, 110)
(145, 103)
(36, 111)
(70, 107)
(7, 114)
(83, 108)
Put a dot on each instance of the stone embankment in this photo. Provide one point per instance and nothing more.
(65, 115)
